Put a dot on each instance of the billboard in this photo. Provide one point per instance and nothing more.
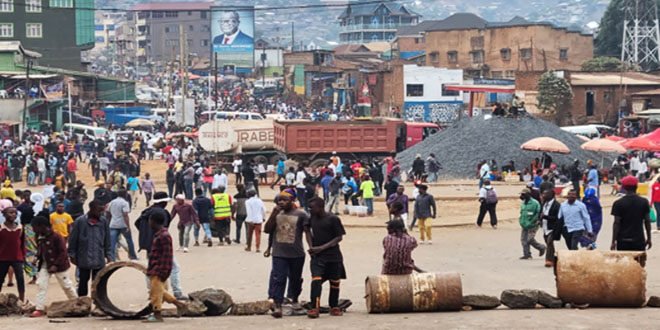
(232, 35)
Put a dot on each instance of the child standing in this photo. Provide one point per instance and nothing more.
(148, 187)
(52, 260)
(61, 221)
(161, 260)
(12, 249)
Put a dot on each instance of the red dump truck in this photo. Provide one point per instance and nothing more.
(314, 141)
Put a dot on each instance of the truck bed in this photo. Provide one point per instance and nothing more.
(357, 137)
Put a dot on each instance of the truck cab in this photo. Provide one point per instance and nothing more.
(412, 133)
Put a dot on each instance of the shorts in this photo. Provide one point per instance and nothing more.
(328, 270)
(262, 175)
(631, 245)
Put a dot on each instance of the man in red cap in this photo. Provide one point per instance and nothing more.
(631, 218)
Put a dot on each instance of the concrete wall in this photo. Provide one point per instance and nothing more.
(432, 79)
(164, 45)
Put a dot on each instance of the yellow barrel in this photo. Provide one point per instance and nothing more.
(426, 292)
(602, 278)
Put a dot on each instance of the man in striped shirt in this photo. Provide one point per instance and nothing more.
(398, 246)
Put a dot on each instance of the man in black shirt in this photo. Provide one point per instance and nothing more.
(327, 261)
(631, 218)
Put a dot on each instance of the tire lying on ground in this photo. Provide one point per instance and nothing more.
(100, 291)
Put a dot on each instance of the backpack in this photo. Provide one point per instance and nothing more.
(491, 196)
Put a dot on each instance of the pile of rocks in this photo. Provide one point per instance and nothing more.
(526, 299)
(461, 147)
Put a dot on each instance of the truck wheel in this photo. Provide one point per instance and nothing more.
(260, 159)
(319, 162)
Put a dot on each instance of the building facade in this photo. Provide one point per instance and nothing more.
(58, 29)
(373, 22)
(496, 49)
(157, 30)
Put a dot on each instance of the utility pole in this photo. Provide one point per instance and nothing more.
(215, 85)
(183, 63)
(293, 38)
(28, 67)
(641, 34)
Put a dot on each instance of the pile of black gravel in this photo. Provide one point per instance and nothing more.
(461, 147)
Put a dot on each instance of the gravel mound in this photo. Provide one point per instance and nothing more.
(461, 147)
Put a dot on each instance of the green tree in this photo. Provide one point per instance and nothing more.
(610, 35)
(602, 64)
(555, 97)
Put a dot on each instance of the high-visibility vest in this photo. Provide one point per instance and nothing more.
(221, 206)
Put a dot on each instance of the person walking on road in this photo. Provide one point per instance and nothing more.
(488, 203)
(238, 210)
(550, 224)
(255, 216)
(529, 222)
(119, 224)
(204, 209)
(425, 210)
(187, 219)
(402, 198)
(576, 220)
(631, 219)
(222, 202)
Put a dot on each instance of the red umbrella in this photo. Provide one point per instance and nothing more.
(648, 142)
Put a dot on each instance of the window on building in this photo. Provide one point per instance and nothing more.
(477, 56)
(7, 6)
(526, 53)
(172, 29)
(191, 28)
(505, 53)
(434, 57)
(6, 30)
(189, 13)
(563, 54)
(446, 92)
(157, 14)
(452, 57)
(204, 42)
(33, 30)
(172, 42)
(61, 3)
(477, 42)
(32, 6)
(414, 90)
(202, 14)
(172, 14)
(607, 97)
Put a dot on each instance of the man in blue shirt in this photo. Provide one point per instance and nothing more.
(325, 183)
(281, 169)
(576, 220)
(592, 179)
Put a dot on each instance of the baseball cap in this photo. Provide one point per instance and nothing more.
(629, 181)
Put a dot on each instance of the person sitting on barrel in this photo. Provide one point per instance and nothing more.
(398, 246)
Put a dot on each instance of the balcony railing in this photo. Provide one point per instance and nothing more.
(373, 27)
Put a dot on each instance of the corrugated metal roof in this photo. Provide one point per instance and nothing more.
(614, 79)
(172, 6)
(367, 9)
(15, 46)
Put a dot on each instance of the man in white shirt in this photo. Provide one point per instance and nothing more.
(256, 214)
(119, 224)
(237, 164)
(41, 168)
(300, 185)
(290, 177)
(484, 173)
(635, 165)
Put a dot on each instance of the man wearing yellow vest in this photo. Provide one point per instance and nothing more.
(221, 213)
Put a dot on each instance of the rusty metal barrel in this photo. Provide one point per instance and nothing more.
(602, 278)
(100, 291)
(425, 292)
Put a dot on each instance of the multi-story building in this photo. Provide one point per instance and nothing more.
(58, 29)
(157, 29)
(372, 22)
(495, 49)
(105, 28)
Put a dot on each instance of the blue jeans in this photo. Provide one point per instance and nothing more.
(114, 237)
(188, 188)
(283, 269)
(369, 202)
(207, 231)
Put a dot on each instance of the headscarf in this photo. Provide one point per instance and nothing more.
(38, 200)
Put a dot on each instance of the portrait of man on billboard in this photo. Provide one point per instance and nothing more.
(229, 23)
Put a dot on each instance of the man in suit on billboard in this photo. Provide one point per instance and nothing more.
(229, 23)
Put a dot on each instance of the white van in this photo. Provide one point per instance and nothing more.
(81, 131)
(168, 114)
(590, 131)
(235, 115)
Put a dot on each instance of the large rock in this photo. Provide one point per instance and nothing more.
(79, 307)
(519, 299)
(549, 301)
(478, 301)
(217, 302)
(194, 308)
(654, 301)
(252, 308)
(9, 304)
